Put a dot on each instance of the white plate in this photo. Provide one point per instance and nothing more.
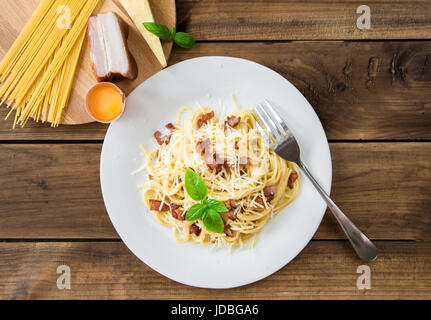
(209, 81)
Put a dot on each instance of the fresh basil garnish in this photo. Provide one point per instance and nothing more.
(195, 186)
(159, 30)
(217, 205)
(207, 210)
(196, 211)
(182, 39)
(213, 221)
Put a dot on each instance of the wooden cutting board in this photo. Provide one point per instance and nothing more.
(14, 14)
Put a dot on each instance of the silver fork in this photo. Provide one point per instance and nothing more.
(282, 141)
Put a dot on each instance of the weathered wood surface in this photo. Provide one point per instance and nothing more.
(53, 191)
(108, 270)
(360, 90)
(52, 212)
(303, 20)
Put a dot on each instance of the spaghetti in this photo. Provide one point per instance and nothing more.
(36, 75)
(235, 163)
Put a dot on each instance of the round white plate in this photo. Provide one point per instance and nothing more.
(210, 81)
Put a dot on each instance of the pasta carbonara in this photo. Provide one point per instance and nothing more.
(235, 163)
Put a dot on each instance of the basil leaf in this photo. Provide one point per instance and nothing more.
(195, 212)
(195, 186)
(213, 221)
(216, 205)
(184, 40)
(159, 30)
(181, 38)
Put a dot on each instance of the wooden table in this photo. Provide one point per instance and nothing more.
(370, 88)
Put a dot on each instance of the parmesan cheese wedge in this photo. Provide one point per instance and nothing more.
(140, 12)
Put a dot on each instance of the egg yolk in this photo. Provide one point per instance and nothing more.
(105, 103)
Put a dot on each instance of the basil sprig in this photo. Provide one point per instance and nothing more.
(182, 39)
(207, 210)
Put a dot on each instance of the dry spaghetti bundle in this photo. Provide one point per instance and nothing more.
(36, 75)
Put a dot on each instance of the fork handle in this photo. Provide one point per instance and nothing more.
(363, 246)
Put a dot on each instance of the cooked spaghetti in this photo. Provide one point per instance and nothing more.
(235, 163)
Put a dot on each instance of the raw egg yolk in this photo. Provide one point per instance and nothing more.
(105, 103)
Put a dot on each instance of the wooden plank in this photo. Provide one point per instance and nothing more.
(53, 191)
(108, 270)
(360, 90)
(384, 188)
(303, 20)
(39, 131)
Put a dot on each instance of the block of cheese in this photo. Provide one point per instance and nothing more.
(140, 12)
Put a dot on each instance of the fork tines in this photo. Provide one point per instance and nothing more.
(270, 125)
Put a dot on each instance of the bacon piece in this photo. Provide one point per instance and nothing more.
(195, 229)
(110, 55)
(155, 206)
(269, 192)
(165, 137)
(211, 160)
(259, 200)
(170, 126)
(204, 118)
(231, 215)
(233, 121)
(159, 137)
(292, 178)
(230, 204)
(228, 231)
(203, 145)
(174, 208)
(174, 214)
